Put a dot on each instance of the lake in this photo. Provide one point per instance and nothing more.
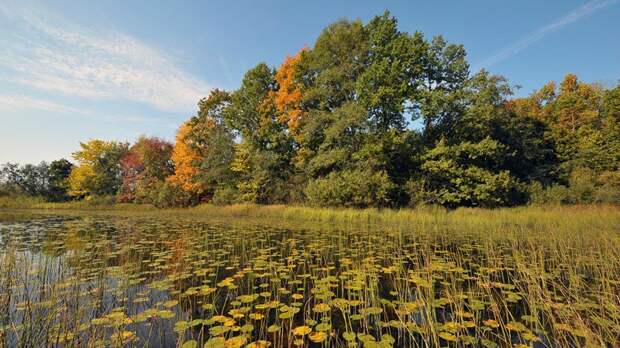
(149, 280)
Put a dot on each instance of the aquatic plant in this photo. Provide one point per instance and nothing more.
(514, 277)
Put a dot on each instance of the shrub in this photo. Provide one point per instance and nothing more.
(100, 199)
(416, 192)
(582, 184)
(608, 190)
(556, 194)
(585, 187)
(226, 195)
(351, 188)
(467, 174)
(168, 195)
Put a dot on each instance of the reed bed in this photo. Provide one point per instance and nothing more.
(280, 276)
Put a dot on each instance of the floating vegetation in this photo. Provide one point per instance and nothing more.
(146, 281)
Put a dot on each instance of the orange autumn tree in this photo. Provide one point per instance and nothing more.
(538, 105)
(185, 157)
(288, 96)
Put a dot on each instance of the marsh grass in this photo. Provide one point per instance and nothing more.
(293, 276)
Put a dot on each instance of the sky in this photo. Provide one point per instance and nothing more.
(71, 71)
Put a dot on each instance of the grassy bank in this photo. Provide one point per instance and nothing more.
(539, 219)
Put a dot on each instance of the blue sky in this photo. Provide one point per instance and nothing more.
(75, 70)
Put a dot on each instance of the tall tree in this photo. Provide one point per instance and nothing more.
(577, 105)
(33, 180)
(59, 172)
(212, 140)
(186, 159)
(266, 146)
(98, 172)
(242, 115)
(147, 162)
(530, 153)
(439, 99)
(287, 97)
(328, 73)
(204, 148)
(388, 84)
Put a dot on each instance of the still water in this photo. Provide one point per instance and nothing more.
(149, 281)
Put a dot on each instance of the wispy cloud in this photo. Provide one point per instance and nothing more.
(47, 53)
(521, 44)
(11, 102)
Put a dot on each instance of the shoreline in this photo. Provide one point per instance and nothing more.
(573, 218)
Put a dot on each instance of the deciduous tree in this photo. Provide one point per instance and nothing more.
(98, 171)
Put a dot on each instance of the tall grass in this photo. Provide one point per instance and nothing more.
(574, 219)
(527, 276)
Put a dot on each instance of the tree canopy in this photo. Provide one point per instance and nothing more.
(368, 116)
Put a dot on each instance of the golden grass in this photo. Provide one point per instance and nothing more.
(573, 218)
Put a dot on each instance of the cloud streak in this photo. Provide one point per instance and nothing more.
(10, 102)
(521, 44)
(48, 54)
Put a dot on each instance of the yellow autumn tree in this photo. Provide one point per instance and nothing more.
(98, 171)
(80, 179)
(185, 158)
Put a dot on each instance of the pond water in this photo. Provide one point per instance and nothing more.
(148, 281)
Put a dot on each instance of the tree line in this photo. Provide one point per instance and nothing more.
(370, 116)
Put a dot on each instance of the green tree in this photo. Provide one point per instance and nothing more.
(243, 114)
(59, 172)
(530, 152)
(213, 140)
(263, 159)
(359, 82)
(337, 125)
(439, 98)
(393, 73)
(32, 180)
(328, 72)
(469, 174)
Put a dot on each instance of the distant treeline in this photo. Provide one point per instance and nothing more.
(368, 117)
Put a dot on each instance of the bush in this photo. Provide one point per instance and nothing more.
(582, 184)
(608, 190)
(416, 192)
(467, 174)
(559, 194)
(100, 200)
(585, 187)
(351, 188)
(169, 195)
(14, 201)
(226, 195)
(556, 194)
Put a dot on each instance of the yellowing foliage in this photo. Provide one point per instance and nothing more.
(241, 165)
(184, 158)
(98, 168)
(539, 105)
(576, 104)
(79, 178)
